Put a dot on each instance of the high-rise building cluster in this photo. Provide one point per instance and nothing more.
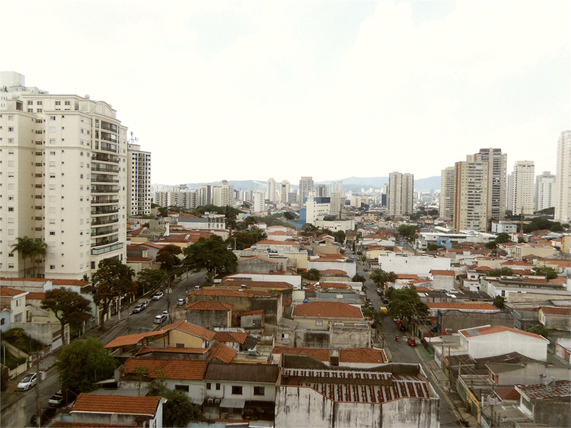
(478, 191)
(69, 179)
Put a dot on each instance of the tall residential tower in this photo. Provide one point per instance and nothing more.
(563, 179)
(401, 193)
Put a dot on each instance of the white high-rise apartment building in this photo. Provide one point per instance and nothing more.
(223, 195)
(284, 191)
(544, 191)
(336, 203)
(522, 187)
(401, 193)
(305, 186)
(471, 195)
(317, 208)
(259, 201)
(271, 190)
(63, 180)
(497, 171)
(139, 181)
(563, 179)
(447, 192)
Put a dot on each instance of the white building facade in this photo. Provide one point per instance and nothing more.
(139, 181)
(563, 179)
(64, 178)
(544, 191)
(521, 196)
(401, 193)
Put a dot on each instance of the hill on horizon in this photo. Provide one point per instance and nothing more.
(354, 184)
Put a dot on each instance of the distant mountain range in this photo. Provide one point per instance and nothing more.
(354, 184)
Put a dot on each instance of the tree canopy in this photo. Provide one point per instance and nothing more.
(408, 230)
(339, 236)
(29, 248)
(311, 275)
(112, 280)
(546, 271)
(499, 302)
(149, 279)
(168, 257)
(406, 304)
(83, 363)
(179, 411)
(246, 238)
(212, 254)
(539, 223)
(381, 277)
(68, 307)
(503, 271)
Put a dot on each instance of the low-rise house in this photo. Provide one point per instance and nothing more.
(210, 315)
(362, 358)
(408, 264)
(451, 317)
(118, 410)
(531, 290)
(14, 300)
(547, 403)
(260, 265)
(294, 280)
(555, 317)
(351, 398)
(525, 372)
(442, 279)
(563, 349)
(487, 341)
(251, 319)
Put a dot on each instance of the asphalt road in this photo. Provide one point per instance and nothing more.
(403, 353)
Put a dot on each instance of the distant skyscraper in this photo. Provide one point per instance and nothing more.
(544, 191)
(471, 195)
(284, 191)
(563, 179)
(401, 193)
(337, 185)
(322, 191)
(305, 186)
(139, 180)
(522, 187)
(271, 190)
(204, 195)
(497, 171)
(259, 201)
(447, 193)
(223, 195)
(336, 203)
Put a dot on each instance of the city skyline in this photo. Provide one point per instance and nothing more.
(418, 84)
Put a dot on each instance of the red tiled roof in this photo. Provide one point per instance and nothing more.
(189, 328)
(515, 263)
(235, 282)
(53, 281)
(556, 310)
(338, 285)
(271, 242)
(362, 355)
(335, 271)
(228, 293)
(231, 336)
(170, 369)
(258, 312)
(172, 350)
(139, 259)
(498, 329)
(327, 310)
(442, 272)
(222, 352)
(319, 354)
(11, 292)
(407, 276)
(560, 388)
(119, 404)
(70, 424)
(132, 339)
(469, 306)
(210, 306)
(36, 296)
(507, 393)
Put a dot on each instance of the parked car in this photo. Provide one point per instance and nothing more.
(411, 341)
(158, 295)
(57, 399)
(28, 382)
(181, 302)
(159, 319)
(138, 308)
(379, 292)
(145, 304)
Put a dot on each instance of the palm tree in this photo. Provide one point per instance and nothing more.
(39, 250)
(25, 248)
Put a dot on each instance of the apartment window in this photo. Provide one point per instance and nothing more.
(318, 323)
(30, 103)
(184, 388)
(67, 103)
(236, 390)
(58, 103)
(10, 129)
(259, 390)
(52, 118)
(52, 267)
(52, 233)
(39, 110)
(30, 110)
(10, 208)
(18, 318)
(52, 141)
(10, 117)
(208, 385)
(39, 103)
(217, 387)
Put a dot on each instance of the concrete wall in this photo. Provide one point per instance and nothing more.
(252, 321)
(529, 374)
(294, 280)
(419, 265)
(350, 337)
(259, 266)
(457, 320)
(555, 413)
(302, 406)
(491, 345)
(209, 319)
(44, 332)
(443, 282)
(312, 339)
(350, 268)
(13, 410)
(188, 340)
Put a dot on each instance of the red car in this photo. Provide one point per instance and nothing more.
(411, 342)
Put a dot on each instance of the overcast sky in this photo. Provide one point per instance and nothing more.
(331, 89)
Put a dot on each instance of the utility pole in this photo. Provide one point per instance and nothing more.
(38, 409)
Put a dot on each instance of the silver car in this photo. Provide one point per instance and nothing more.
(29, 381)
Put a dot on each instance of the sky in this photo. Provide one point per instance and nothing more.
(330, 89)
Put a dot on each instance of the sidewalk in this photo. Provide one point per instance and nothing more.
(439, 378)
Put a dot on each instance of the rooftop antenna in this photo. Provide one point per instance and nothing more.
(133, 139)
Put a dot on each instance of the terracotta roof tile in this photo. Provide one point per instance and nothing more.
(407, 276)
(210, 306)
(560, 388)
(362, 355)
(11, 292)
(119, 404)
(258, 312)
(498, 329)
(442, 272)
(556, 310)
(228, 293)
(172, 350)
(77, 282)
(36, 296)
(133, 339)
(231, 337)
(335, 285)
(189, 328)
(327, 310)
(319, 354)
(222, 352)
(170, 369)
(139, 259)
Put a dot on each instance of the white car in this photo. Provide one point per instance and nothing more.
(181, 302)
(29, 381)
(159, 319)
(158, 295)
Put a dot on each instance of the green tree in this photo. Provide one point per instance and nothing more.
(408, 230)
(246, 239)
(212, 254)
(68, 307)
(503, 271)
(358, 278)
(499, 302)
(492, 245)
(112, 280)
(339, 236)
(149, 279)
(311, 275)
(163, 212)
(168, 257)
(381, 277)
(289, 215)
(546, 271)
(25, 249)
(179, 411)
(82, 364)
(406, 304)
(502, 238)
